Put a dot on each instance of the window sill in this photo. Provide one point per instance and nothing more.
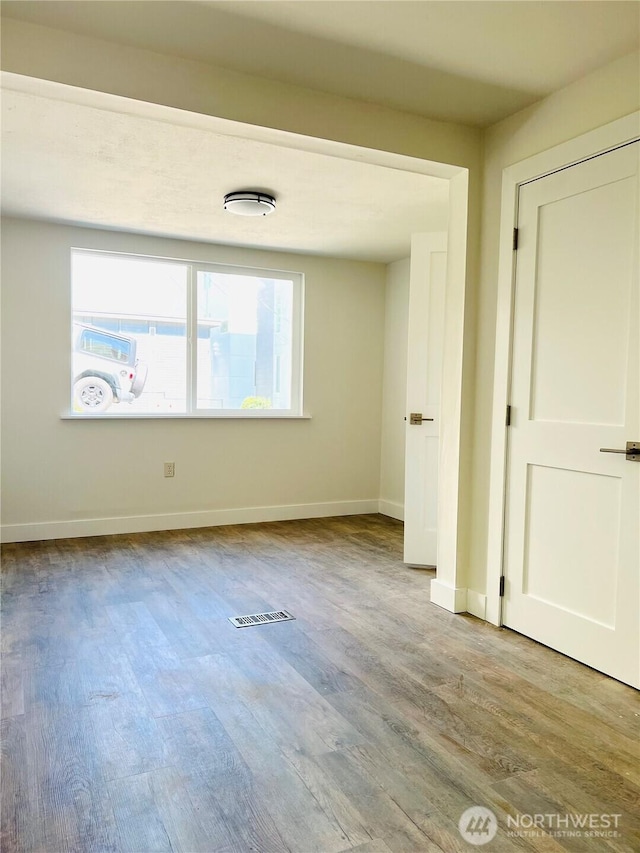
(260, 415)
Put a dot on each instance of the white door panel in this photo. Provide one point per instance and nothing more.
(424, 371)
(572, 547)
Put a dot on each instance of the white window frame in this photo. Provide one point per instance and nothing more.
(192, 411)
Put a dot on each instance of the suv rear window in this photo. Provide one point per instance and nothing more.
(106, 346)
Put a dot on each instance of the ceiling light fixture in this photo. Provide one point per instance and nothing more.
(249, 203)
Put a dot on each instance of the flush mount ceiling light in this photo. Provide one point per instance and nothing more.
(249, 203)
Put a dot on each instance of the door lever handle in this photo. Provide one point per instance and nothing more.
(415, 419)
(631, 451)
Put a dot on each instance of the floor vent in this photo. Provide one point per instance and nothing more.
(260, 618)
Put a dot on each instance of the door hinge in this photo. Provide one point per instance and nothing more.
(502, 586)
(508, 418)
(515, 239)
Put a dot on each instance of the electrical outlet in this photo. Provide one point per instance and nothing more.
(169, 469)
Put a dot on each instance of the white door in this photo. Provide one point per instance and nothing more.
(572, 548)
(424, 373)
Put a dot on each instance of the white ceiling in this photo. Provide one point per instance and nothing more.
(108, 164)
(470, 61)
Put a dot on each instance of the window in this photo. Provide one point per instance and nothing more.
(107, 346)
(166, 337)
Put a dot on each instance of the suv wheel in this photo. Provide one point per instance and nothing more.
(140, 378)
(92, 394)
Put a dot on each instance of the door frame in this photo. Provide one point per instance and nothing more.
(463, 228)
(598, 141)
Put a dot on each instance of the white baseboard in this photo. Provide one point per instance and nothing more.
(458, 599)
(178, 521)
(450, 598)
(392, 509)
(477, 604)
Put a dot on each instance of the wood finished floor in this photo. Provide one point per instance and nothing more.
(135, 717)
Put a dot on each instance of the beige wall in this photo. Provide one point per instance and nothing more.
(95, 64)
(394, 388)
(601, 97)
(71, 471)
